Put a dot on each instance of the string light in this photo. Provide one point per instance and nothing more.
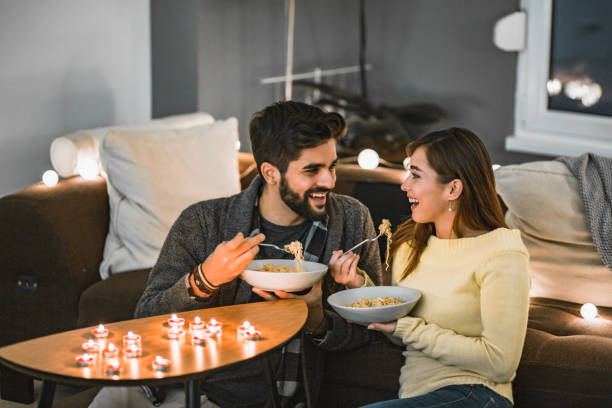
(368, 159)
(50, 178)
(588, 311)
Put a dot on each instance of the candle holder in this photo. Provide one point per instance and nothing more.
(199, 339)
(175, 321)
(111, 351)
(161, 364)
(197, 324)
(113, 367)
(100, 332)
(253, 334)
(132, 351)
(175, 333)
(131, 339)
(211, 332)
(90, 346)
(214, 325)
(85, 360)
(243, 328)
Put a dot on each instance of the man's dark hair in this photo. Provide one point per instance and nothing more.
(281, 131)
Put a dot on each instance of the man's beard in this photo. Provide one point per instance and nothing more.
(301, 206)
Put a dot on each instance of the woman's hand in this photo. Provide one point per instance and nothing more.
(383, 327)
(343, 269)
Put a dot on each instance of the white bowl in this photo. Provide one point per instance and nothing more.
(287, 281)
(365, 315)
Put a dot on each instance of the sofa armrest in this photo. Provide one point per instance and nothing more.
(50, 249)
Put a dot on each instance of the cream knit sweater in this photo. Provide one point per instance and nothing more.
(469, 326)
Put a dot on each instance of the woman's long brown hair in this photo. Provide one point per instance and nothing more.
(454, 153)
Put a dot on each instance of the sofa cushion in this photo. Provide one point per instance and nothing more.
(113, 299)
(544, 203)
(567, 360)
(153, 176)
(70, 152)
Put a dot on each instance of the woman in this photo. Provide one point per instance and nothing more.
(465, 336)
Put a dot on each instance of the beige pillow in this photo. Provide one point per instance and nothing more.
(544, 203)
(152, 176)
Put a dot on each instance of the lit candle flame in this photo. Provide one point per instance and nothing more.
(90, 342)
(130, 334)
(86, 356)
(213, 321)
(101, 327)
(174, 316)
(246, 324)
(159, 360)
(111, 347)
(197, 320)
(113, 363)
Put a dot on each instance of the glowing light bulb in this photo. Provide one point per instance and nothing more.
(592, 95)
(88, 169)
(50, 178)
(368, 159)
(588, 311)
(554, 86)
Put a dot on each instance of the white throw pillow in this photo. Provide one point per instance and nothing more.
(154, 175)
(78, 149)
(544, 203)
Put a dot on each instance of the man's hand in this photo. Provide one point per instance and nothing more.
(230, 258)
(315, 323)
(343, 269)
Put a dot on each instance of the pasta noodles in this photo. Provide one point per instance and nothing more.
(279, 268)
(385, 229)
(295, 248)
(376, 302)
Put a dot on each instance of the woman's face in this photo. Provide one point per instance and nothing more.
(428, 198)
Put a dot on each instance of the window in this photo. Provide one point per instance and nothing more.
(564, 79)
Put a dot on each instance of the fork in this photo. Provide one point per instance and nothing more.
(362, 242)
(274, 246)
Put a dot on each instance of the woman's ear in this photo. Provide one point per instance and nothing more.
(456, 188)
(270, 173)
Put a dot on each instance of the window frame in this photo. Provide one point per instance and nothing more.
(536, 128)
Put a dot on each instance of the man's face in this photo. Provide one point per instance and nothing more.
(308, 180)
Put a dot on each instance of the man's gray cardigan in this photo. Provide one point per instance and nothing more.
(202, 226)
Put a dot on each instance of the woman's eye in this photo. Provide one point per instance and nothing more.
(414, 175)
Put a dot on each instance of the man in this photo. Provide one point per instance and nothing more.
(211, 243)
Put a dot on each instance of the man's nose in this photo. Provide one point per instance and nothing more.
(326, 179)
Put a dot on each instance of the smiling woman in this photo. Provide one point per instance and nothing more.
(464, 340)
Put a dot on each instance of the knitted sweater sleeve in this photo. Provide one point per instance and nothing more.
(504, 304)
(166, 290)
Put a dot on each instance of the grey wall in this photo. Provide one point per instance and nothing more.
(436, 51)
(65, 65)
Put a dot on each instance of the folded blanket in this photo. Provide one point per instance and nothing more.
(594, 174)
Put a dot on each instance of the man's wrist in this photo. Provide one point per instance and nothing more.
(202, 287)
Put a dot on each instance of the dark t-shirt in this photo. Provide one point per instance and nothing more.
(280, 236)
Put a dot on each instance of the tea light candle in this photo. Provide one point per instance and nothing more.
(175, 332)
(215, 325)
(131, 339)
(113, 367)
(85, 360)
(110, 351)
(197, 324)
(253, 334)
(132, 351)
(199, 339)
(90, 346)
(175, 321)
(211, 332)
(161, 364)
(100, 332)
(243, 328)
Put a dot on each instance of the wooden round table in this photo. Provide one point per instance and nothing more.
(53, 358)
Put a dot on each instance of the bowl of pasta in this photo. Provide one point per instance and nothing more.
(283, 274)
(374, 304)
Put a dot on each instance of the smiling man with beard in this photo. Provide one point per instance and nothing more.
(211, 243)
